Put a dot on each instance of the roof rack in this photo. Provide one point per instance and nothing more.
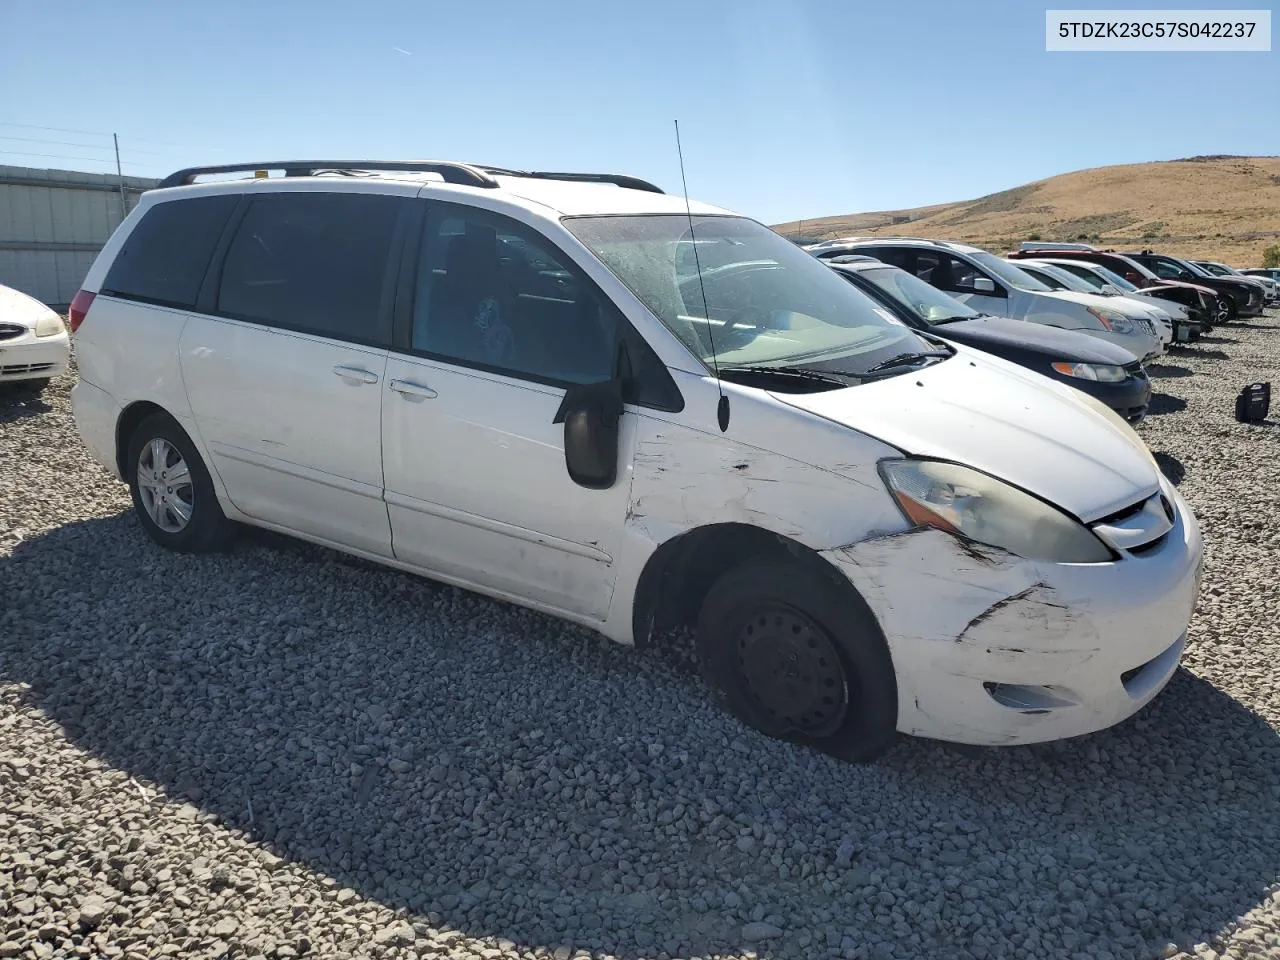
(461, 173)
(617, 179)
(465, 174)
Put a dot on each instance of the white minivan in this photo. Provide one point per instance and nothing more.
(570, 391)
(992, 285)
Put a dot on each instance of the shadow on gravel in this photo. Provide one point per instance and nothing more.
(16, 404)
(1170, 466)
(1199, 354)
(1162, 403)
(508, 776)
(1163, 371)
(1214, 338)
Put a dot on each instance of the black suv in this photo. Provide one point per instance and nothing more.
(1246, 297)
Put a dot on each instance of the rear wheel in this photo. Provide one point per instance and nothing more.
(792, 653)
(171, 489)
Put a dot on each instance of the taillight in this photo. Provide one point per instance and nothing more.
(80, 304)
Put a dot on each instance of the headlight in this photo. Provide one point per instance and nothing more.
(966, 503)
(1112, 321)
(49, 325)
(1101, 372)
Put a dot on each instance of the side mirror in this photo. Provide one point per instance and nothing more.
(1110, 289)
(591, 414)
(983, 285)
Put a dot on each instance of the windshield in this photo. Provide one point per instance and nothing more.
(1113, 278)
(924, 299)
(1191, 267)
(1014, 276)
(768, 303)
(1067, 279)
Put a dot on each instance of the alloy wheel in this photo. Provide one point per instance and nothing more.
(164, 485)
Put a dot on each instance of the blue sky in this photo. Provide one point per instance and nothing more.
(786, 109)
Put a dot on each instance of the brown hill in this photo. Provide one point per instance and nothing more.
(1217, 207)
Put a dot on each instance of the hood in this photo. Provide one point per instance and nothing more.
(17, 307)
(1131, 310)
(998, 333)
(986, 413)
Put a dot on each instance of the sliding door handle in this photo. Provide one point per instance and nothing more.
(356, 374)
(407, 388)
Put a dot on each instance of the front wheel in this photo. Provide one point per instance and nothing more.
(1227, 310)
(795, 655)
(171, 489)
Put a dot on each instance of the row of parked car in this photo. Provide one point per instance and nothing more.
(1087, 317)
(633, 411)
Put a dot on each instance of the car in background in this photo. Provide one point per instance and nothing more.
(1222, 270)
(1056, 278)
(1103, 370)
(1206, 304)
(1246, 297)
(991, 285)
(1272, 272)
(34, 345)
(1106, 282)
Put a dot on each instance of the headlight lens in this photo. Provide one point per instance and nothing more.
(49, 325)
(1101, 372)
(1112, 321)
(967, 503)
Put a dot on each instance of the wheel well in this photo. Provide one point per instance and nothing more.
(130, 417)
(675, 580)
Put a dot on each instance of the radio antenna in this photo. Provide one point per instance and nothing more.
(722, 407)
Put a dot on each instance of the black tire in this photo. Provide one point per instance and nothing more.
(799, 613)
(1229, 314)
(208, 528)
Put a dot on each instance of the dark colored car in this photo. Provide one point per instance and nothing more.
(1205, 303)
(1246, 297)
(1103, 370)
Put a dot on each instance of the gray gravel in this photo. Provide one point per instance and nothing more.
(283, 752)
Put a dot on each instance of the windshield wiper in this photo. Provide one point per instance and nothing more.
(903, 359)
(799, 373)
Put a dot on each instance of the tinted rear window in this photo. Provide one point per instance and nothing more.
(313, 262)
(164, 258)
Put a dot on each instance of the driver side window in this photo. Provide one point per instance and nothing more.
(494, 294)
(951, 273)
(1167, 270)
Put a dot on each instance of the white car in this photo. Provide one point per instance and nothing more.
(1109, 283)
(1056, 277)
(34, 346)
(571, 392)
(992, 285)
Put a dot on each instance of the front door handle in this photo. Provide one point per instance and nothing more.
(357, 374)
(408, 388)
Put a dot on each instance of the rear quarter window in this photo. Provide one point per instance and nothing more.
(164, 258)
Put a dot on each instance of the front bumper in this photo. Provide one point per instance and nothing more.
(993, 649)
(29, 357)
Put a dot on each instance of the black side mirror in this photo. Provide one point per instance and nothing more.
(591, 414)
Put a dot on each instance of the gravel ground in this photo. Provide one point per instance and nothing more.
(281, 751)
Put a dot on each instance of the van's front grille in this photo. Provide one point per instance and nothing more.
(1140, 527)
(14, 369)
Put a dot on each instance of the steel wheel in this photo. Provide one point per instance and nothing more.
(164, 485)
(790, 669)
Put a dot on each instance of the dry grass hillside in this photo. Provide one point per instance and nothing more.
(1219, 207)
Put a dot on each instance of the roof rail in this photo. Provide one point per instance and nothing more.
(617, 179)
(461, 173)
